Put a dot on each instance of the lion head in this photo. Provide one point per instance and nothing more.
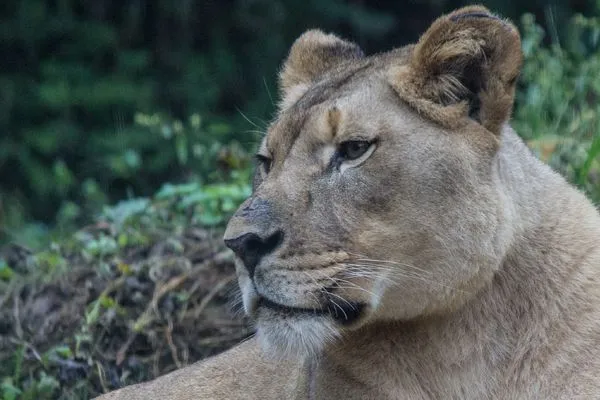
(377, 194)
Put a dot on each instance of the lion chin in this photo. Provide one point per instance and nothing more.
(285, 332)
(296, 337)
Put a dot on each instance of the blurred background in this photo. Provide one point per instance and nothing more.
(126, 134)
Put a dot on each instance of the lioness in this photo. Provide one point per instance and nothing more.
(401, 241)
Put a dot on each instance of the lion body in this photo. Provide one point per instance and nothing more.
(506, 302)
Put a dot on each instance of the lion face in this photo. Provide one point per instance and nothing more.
(376, 196)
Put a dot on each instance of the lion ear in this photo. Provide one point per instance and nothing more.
(464, 66)
(312, 55)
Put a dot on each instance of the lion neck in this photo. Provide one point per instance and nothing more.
(525, 315)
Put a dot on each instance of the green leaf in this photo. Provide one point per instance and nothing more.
(6, 272)
(169, 190)
(126, 209)
(592, 154)
(107, 302)
(123, 240)
(63, 351)
(181, 146)
(47, 384)
(9, 390)
(94, 313)
(210, 219)
(19, 356)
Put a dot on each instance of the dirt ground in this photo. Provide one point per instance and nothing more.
(97, 323)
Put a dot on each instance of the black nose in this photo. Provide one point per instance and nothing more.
(250, 248)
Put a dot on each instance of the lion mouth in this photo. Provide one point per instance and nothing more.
(344, 314)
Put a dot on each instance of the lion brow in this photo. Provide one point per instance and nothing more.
(321, 92)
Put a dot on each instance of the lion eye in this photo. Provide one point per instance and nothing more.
(353, 149)
(352, 153)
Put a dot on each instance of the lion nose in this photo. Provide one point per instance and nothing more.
(251, 248)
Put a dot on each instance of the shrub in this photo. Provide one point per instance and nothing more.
(558, 106)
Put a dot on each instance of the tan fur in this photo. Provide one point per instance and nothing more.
(313, 54)
(475, 267)
(451, 50)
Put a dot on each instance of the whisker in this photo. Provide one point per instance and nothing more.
(336, 280)
(311, 293)
(387, 275)
(249, 120)
(370, 271)
(268, 91)
(351, 285)
(394, 263)
(354, 287)
(371, 268)
(374, 270)
(256, 132)
(361, 257)
(341, 298)
(341, 309)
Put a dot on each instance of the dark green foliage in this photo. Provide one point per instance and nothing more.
(77, 72)
(558, 105)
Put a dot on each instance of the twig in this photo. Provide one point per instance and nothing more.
(155, 361)
(146, 318)
(169, 336)
(185, 351)
(123, 350)
(102, 377)
(217, 340)
(160, 292)
(29, 346)
(16, 315)
(5, 297)
(213, 292)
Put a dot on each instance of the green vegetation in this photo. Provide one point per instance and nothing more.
(105, 100)
(558, 106)
(142, 291)
(95, 296)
